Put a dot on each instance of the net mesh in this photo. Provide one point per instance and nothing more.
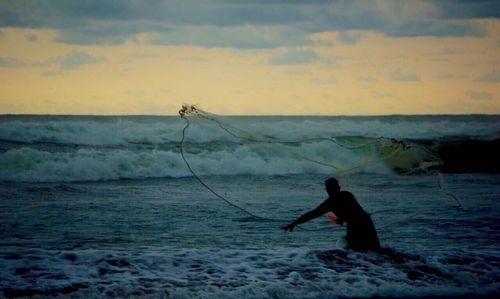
(400, 155)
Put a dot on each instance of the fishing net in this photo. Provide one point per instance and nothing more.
(401, 156)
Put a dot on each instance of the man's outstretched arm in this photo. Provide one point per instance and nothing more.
(320, 210)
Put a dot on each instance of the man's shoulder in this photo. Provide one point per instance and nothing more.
(341, 195)
(346, 194)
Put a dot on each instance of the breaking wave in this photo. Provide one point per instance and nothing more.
(52, 149)
(284, 273)
(159, 130)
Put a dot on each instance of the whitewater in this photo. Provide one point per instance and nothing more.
(105, 206)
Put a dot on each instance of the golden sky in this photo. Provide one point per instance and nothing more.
(327, 58)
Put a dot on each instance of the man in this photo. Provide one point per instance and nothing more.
(361, 233)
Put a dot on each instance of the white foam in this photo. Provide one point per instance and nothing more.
(158, 131)
(278, 273)
(91, 132)
(214, 151)
(32, 165)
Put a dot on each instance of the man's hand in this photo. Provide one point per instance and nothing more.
(334, 219)
(339, 222)
(288, 228)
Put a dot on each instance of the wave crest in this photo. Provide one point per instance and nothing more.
(168, 129)
(33, 165)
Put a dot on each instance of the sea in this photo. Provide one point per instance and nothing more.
(191, 207)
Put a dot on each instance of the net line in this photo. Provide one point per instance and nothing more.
(399, 146)
(184, 130)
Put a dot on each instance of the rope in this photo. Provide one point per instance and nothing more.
(208, 187)
(222, 197)
(443, 186)
(338, 171)
(401, 146)
(224, 127)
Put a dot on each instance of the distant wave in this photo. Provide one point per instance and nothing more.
(76, 150)
(26, 164)
(168, 129)
(89, 133)
(32, 165)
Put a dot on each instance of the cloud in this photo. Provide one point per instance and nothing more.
(72, 60)
(246, 37)
(437, 28)
(350, 37)
(445, 77)
(479, 95)
(31, 37)
(143, 55)
(399, 75)
(382, 95)
(195, 58)
(491, 77)
(324, 42)
(76, 59)
(449, 51)
(367, 79)
(334, 61)
(109, 33)
(468, 9)
(296, 73)
(52, 73)
(324, 81)
(294, 56)
(11, 62)
(114, 22)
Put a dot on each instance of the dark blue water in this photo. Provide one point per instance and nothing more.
(107, 208)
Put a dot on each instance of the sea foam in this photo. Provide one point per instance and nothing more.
(115, 131)
(52, 149)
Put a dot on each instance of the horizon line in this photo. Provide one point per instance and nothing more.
(263, 115)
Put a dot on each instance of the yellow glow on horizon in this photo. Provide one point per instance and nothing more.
(377, 75)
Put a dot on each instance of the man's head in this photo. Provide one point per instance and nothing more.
(332, 186)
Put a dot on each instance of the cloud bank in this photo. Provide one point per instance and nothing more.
(244, 24)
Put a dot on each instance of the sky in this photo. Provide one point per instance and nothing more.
(242, 57)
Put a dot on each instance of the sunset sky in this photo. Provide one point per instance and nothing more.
(250, 57)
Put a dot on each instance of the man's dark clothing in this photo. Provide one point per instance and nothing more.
(361, 233)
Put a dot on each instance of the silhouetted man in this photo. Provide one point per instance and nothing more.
(361, 233)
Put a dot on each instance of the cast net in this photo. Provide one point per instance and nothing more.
(402, 156)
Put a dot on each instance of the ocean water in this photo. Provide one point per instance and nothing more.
(106, 206)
